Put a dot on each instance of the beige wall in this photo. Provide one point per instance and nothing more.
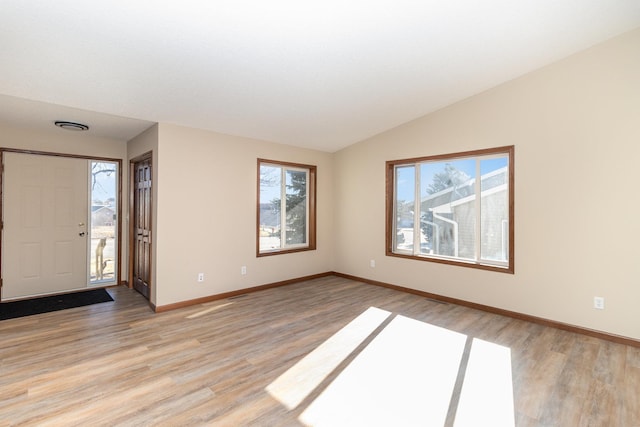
(65, 142)
(206, 214)
(62, 141)
(576, 130)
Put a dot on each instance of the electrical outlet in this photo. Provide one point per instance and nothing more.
(598, 302)
(200, 277)
(243, 270)
(372, 263)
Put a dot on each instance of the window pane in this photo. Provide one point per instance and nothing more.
(296, 205)
(286, 206)
(453, 209)
(104, 220)
(448, 208)
(270, 184)
(494, 216)
(404, 207)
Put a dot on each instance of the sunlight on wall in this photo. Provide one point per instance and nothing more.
(292, 387)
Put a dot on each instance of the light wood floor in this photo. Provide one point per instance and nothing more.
(324, 352)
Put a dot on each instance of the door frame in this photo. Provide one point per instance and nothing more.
(72, 156)
(132, 221)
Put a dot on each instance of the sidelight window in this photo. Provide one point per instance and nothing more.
(103, 190)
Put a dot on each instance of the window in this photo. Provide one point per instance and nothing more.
(454, 209)
(103, 230)
(286, 207)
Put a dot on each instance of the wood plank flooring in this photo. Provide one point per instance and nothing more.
(325, 352)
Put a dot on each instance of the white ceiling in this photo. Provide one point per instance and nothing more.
(320, 74)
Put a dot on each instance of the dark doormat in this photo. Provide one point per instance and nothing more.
(10, 310)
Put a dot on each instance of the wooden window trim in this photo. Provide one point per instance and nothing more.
(311, 221)
(389, 207)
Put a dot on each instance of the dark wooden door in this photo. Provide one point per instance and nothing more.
(142, 238)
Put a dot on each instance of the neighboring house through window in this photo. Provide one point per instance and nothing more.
(455, 209)
(286, 207)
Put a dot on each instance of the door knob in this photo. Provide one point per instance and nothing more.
(81, 233)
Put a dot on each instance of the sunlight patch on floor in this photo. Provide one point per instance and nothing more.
(405, 376)
(292, 387)
(209, 310)
(487, 392)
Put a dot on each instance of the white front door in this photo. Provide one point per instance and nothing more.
(45, 210)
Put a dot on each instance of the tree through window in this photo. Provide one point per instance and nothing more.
(286, 207)
(455, 209)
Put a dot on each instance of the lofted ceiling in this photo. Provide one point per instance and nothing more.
(317, 74)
